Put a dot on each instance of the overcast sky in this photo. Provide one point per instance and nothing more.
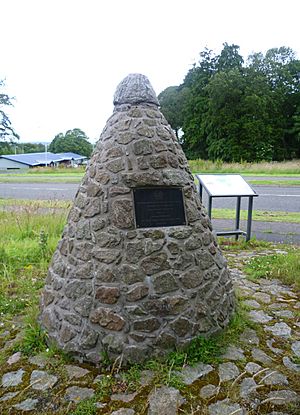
(62, 59)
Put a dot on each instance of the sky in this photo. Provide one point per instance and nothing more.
(63, 59)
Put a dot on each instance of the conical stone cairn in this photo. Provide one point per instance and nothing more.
(138, 270)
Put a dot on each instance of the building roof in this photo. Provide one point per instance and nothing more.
(37, 159)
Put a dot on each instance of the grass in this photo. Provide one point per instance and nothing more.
(285, 168)
(69, 175)
(36, 204)
(285, 267)
(277, 183)
(258, 215)
(34, 337)
(27, 241)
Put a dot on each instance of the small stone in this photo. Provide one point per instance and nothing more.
(77, 394)
(295, 367)
(14, 358)
(283, 397)
(272, 377)
(107, 295)
(75, 372)
(164, 401)
(234, 353)
(277, 306)
(261, 356)
(146, 377)
(244, 292)
(191, 373)
(259, 316)
(277, 413)
(38, 360)
(273, 349)
(137, 292)
(247, 387)
(8, 396)
(296, 348)
(147, 325)
(263, 297)
(12, 378)
(27, 405)
(284, 313)
(163, 283)
(280, 330)
(250, 337)
(208, 391)
(40, 380)
(252, 367)
(228, 371)
(252, 303)
(123, 411)
(100, 405)
(124, 397)
(225, 407)
(105, 317)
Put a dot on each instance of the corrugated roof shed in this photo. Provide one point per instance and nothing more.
(36, 159)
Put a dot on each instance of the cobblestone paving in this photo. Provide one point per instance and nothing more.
(259, 375)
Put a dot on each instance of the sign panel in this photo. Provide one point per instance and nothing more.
(225, 185)
(158, 207)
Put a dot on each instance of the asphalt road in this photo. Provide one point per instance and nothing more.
(286, 199)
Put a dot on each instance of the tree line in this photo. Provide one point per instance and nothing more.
(235, 110)
(75, 141)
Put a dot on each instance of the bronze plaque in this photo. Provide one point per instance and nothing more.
(158, 207)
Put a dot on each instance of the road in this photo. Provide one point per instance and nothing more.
(271, 198)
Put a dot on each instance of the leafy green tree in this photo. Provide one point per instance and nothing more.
(239, 111)
(6, 130)
(194, 138)
(282, 72)
(229, 58)
(172, 101)
(238, 123)
(74, 141)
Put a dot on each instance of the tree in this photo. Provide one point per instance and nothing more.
(74, 141)
(238, 122)
(239, 111)
(194, 138)
(282, 72)
(6, 130)
(172, 101)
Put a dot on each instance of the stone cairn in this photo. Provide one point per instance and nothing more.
(126, 291)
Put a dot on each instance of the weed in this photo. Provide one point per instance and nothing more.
(285, 267)
(85, 407)
(34, 337)
(43, 243)
(165, 373)
(231, 245)
(105, 386)
(132, 377)
(200, 349)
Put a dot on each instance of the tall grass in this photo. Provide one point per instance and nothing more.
(268, 168)
(27, 242)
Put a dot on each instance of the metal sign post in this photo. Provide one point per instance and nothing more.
(228, 185)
